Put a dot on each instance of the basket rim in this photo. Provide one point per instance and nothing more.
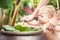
(7, 33)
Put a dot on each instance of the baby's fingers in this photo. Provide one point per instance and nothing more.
(50, 27)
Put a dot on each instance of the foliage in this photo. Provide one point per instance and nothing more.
(22, 13)
(29, 3)
(34, 3)
(14, 1)
(24, 3)
(53, 2)
(6, 4)
(19, 28)
(35, 29)
(22, 28)
(9, 28)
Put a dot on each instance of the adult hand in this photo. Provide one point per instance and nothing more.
(27, 18)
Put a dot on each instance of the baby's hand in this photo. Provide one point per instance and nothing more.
(50, 27)
(52, 24)
(49, 31)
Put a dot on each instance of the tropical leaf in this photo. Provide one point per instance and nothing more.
(14, 1)
(6, 27)
(9, 28)
(36, 29)
(53, 2)
(19, 28)
(6, 4)
(24, 3)
(22, 28)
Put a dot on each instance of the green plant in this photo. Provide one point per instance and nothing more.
(22, 12)
(9, 28)
(10, 9)
(53, 2)
(19, 28)
(6, 4)
(22, 28)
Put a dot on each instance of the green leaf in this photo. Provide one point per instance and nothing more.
(14, 1)
(9, 28)
(53, 2)
(24, 3)
(19, 28)
(6, 4)
(22, 28)
(26, 28)
(6, 27)
(35, 29)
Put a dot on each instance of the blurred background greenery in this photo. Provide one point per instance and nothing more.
(12, 14)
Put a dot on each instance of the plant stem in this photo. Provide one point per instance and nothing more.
(57, 4)
(12, 22)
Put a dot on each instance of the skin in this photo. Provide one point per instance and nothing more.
(49, 29)
(46, 12)
(54, 21)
